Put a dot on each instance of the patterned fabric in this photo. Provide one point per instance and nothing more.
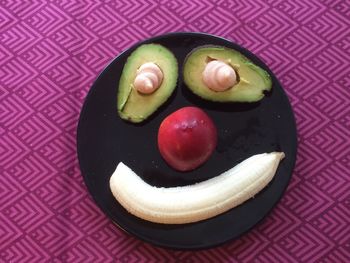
(52, 51)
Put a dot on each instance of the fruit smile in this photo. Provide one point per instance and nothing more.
(192, 203)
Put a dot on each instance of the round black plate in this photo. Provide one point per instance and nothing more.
(243, 129)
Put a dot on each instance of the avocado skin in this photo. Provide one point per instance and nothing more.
(134, 106)
(253, 80)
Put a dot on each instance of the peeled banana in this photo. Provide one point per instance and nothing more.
(191, 203)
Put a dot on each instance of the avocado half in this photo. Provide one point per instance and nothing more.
(252, 80)
(134, 106)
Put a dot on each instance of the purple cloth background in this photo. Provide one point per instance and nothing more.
(50, 54)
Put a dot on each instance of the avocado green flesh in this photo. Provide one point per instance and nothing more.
(253, 79)
(134, 106)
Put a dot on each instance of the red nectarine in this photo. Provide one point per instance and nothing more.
(187, 138)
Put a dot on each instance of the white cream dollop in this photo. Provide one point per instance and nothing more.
(149, 78)
(219, 76)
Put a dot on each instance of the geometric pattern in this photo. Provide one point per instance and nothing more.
(52, 51)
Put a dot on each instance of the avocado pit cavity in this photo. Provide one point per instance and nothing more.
(149, 78)
(219, 76)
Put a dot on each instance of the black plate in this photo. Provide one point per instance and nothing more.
(243, 130)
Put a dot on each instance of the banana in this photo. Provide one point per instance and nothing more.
(192, 203)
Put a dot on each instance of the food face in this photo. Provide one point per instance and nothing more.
(187, 137)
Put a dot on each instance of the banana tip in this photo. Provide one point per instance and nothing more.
(281, 155)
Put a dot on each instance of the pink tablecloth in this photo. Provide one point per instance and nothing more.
(50, 54)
